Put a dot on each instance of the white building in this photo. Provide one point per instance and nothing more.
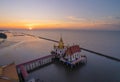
(69, 53)
(72, 53)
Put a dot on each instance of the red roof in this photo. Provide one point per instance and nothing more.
(73, 49)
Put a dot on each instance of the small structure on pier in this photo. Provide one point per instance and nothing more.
(68, 54)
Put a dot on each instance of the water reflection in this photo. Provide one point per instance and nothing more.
(97, 69)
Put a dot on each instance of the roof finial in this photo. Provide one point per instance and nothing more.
(61, 44)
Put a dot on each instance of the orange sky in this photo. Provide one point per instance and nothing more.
(63, 14)
(46, 25)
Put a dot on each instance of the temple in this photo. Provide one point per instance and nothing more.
(72, 53)
(60, 49)
(68, 54)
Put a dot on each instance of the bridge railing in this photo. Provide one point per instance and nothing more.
(33, 64)
(23, 69)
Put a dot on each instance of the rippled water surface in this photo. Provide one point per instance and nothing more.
(97, 69)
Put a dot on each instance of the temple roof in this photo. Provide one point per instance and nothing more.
(61, 43)
(61, 40)
(73, 49)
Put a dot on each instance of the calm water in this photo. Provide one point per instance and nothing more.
(97, 69)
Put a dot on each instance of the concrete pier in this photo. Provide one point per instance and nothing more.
(33, 64)
(100, 54)
(25, 68)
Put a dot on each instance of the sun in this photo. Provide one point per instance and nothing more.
(30, 28)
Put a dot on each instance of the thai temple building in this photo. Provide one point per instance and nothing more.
(72, 53)
(60, 49)
(68, 54)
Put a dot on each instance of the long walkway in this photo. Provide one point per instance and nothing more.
(25, 68)
(33, 64)
(91, 51)
(100, 54)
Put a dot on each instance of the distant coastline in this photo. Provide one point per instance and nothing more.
(60, 29)
(3, 30)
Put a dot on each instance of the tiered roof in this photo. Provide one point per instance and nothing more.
(73, 49)
(60, 44)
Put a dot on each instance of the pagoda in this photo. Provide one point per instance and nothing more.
(68, 54)
(60, 49)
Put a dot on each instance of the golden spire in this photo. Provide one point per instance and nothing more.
(61, 40)
(61, 44)
(54, 46)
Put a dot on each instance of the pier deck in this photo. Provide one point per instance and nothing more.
(25, 68)
(73, 63)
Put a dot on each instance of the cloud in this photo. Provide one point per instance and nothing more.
(73, 18)
(113, 17)
(117, 17)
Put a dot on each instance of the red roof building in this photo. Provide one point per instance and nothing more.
(73, 49)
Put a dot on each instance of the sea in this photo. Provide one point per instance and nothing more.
(97, 68)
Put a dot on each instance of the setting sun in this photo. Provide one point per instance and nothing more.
(40, 14)
(30, 28)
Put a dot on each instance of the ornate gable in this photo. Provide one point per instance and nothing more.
(73, 49)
